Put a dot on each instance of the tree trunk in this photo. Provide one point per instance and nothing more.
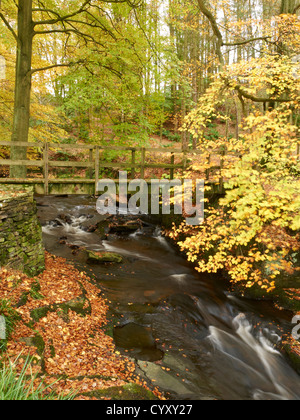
(22, 86)
(287, 6)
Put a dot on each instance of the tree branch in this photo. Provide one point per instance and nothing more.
(296, 9)
(254, 98)
(248, 41)
(60, 18)
(54, 66)
(3, 18)
(215, 29)
(219, 36)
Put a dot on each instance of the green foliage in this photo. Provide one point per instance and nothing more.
(175, 137)
(15, 386)
(212, 132)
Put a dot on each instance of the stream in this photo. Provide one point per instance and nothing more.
(187, 333)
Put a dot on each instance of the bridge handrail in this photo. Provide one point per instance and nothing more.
(94, 162)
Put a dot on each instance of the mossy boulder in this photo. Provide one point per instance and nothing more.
(128, 392)
(292, 350)
(104, 257)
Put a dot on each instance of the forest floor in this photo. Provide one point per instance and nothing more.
(61, 324)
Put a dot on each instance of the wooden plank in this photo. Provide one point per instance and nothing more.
(20, 144)
(92, 147)
(163, 150)
(164, 166)
(9, 162)
(22, 181)
(136, 165)
(71, 181)
(116, 148)
(61, 164)
(71, 146)
(117, 165)
(50, 181)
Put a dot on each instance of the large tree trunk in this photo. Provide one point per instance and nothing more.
(22, 86)
(287, 6)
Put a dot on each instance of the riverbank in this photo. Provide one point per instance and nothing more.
(182, 328)
(285, 297)
(59, 320)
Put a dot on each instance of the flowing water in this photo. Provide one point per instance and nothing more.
(196, 340)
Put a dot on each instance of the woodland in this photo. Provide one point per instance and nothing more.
(221, 76)
(217, 79)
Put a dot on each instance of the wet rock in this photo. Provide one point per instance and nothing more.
(64, 218)
(139, 341)
(103, 257)
(42, 205)
(125, 228)
(63, 240)
(91, 229)
(163, 379)
(73, 247)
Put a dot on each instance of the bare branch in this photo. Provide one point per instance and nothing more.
(53, 67)
(248, 41)
(219, 36)
(258, 99)
(60, 18)
(7, 24)
(215, 29)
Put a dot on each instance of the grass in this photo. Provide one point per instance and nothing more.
(21, 386)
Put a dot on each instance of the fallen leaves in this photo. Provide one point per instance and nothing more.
(74, 345)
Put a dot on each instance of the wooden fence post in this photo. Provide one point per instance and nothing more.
(46, 168)
(91, 161)
(97, 157)
(208, 169)
(172, 169)
(143, 159)
(185, 164)
(133, 163)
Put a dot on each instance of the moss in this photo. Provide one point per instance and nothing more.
(21, 235)
(80, 305)
(104, 257)
(36, 341)
(293, 355)
(35, 291)
(129, 392)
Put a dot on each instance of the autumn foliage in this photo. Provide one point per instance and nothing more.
(69, 347)
(253, 231)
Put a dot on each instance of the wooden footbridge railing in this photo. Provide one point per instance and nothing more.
(93, 163)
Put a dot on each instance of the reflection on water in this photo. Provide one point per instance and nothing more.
(217, 345)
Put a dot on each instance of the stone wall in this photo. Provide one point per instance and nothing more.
(21, 246)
